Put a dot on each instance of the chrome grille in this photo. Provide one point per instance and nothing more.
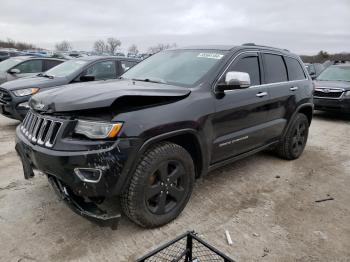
(328, 93)
(4, 96)
(40, 130)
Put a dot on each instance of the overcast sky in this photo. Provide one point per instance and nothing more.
(303, 26)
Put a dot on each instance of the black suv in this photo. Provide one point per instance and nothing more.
(14, 95)
(167, 121)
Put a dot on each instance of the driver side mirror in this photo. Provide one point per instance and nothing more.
(234, 80)
(14, 71)
(87, 78)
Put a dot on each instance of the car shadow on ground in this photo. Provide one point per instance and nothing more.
(333, 116)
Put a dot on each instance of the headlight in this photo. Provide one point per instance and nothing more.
(347, 93)
(97, 130)
(25, 92)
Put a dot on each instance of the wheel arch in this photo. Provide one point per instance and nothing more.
(186, 138)
(306, 109)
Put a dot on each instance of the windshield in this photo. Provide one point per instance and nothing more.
(178, 67)
(66, 68)
(9, 63)
(335, 73)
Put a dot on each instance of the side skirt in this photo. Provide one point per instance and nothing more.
(235, 158)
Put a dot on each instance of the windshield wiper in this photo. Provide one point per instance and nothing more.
(45, 75)
(153, 80)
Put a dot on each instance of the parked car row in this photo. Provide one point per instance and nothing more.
(24, 66)
(14, 95)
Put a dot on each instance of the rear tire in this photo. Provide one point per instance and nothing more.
(160, 186)
(293, 143)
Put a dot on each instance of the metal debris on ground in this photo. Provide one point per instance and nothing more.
(187, 247)
(228, 237)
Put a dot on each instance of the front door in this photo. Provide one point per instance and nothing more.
(240, 118)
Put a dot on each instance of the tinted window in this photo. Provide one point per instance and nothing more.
(32, 66)
(102, 70)
(275, 68)
(249, 65)
(295, 71)
(126, 65)
(51, 63)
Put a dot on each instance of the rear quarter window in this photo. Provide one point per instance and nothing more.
(295, 71)
(275, 69)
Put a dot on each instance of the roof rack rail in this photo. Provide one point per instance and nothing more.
(253, 44)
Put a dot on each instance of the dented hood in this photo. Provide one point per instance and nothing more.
(99, 94)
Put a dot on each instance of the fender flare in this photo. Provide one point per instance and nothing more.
(310, 105)
(153, 140)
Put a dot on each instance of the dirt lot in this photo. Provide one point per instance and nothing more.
(267, 204)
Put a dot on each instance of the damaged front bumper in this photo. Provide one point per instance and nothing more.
(61, 168)
(88, 210)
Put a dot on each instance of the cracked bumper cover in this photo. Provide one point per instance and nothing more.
(114, 163)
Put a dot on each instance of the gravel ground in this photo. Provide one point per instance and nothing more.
(267, 204)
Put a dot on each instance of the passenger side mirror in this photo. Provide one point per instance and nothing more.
(87, 78)
(234, 80)
(14, 71)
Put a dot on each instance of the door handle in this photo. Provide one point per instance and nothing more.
(294, 88)
(261, 94)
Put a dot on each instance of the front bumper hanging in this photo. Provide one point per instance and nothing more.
(89, 210)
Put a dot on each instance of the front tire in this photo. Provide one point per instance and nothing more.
(160, 186)
(293, 143)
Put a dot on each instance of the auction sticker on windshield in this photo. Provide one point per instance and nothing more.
(210, 55)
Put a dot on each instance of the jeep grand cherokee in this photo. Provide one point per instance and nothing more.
(169, 120)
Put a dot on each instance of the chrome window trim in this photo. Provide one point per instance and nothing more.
(262, 85)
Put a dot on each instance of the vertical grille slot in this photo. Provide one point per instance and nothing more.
(52, 138)
(40, 130)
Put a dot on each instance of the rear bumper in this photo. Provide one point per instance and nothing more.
(336, 105)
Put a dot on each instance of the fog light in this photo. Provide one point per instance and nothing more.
(24, 105)
(90, 175)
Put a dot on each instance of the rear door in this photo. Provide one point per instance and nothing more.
(240, 117)
(278, 70)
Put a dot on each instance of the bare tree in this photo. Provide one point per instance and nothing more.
(63, 46)
(160, 47)
(100, 46)
(9, 43)
(112, 45)
(133, 49)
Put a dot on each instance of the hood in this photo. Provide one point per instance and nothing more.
(333, 84)
(3, 77)
(34, 81)
(100, 94)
